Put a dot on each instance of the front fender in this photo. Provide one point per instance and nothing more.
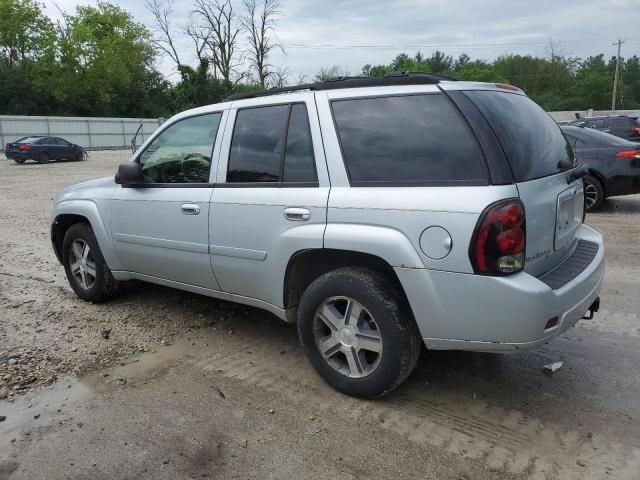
(389, 244)
(97, 214)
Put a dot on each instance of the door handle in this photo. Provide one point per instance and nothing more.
(297, 214)
(190, 209)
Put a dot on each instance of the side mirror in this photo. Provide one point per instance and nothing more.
(129, 173)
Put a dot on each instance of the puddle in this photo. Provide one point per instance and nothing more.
(54, 406)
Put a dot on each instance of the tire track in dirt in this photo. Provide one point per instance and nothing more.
(500, 440)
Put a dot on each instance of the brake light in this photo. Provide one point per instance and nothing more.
(24, 146)
(498, 244)
(629, 154)
(506, 86)
(635, 129)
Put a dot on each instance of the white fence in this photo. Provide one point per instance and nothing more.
(95, 133)
(92, 133)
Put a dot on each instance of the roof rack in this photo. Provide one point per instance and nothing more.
(391, 78)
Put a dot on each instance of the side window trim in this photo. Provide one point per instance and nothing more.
(281, 183)
(215, 151)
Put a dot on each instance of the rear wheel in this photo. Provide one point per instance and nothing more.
(593, 193)
(357, 332)
(87, 272)
(19, 160)
(44, 157)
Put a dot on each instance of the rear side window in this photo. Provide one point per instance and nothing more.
(272, 144)
(407, 140)
(532, 141)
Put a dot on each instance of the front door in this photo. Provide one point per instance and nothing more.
(161, 229)
(271, 195)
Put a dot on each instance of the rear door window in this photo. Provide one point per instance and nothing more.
(532, 141)
(272, 144)
(407, 140)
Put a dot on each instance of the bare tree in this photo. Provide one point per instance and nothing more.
(215, 26)
(278, 77)
(198, 36)
(259, 21)
(163, 32)
(334, 71)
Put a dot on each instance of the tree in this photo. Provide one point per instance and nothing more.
(259, 24)
(163, 31)
(215, 25)
(25, 32)
(332, 72)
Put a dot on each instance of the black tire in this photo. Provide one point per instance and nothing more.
(104, 285)
(594, 193)
(44, 157)
(19, 160)
(400, 337)
(79, 156)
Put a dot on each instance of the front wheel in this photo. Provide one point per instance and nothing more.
(357, 332)
(44, 157)
(593, 193)
(87, 272)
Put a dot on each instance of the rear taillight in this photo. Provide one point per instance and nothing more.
(629, 154)
(498, 244)
(636, 129)
(24, 146)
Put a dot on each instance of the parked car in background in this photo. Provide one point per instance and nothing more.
(378, 214)
(42, 149)
(614, 164)
(621, 126)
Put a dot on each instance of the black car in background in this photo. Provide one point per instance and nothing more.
(42, 149)
(621, 126)
(614, 164)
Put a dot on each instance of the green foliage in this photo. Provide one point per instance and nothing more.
(556, 82)
(98, 61)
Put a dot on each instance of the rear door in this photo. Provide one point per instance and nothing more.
(271, 193)
(540, 156)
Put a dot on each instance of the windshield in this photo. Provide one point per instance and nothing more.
(532, 141)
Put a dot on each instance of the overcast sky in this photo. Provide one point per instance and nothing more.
(352, 33)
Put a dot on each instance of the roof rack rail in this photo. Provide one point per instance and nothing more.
(391, 78)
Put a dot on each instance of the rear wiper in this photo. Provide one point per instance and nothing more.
(577, 173)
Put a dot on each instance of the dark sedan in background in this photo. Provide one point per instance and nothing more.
(42, 149)
(622, 126)
(614, 164)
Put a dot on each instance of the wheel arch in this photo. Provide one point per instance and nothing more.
(70, 212)
(305, 266)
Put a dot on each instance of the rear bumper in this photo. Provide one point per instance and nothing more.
(20, 155)
(456, 311)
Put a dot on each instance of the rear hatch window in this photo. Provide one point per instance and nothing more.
(532, 141)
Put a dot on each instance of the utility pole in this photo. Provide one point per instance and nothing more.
(615, 80)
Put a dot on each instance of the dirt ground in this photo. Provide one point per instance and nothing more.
(190, 387)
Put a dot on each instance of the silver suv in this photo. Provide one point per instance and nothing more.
(378, 214)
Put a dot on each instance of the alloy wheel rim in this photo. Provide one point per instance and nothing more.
(590, 194)
(348, 337)
(82, 264)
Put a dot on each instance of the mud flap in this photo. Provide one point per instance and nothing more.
(595, 306)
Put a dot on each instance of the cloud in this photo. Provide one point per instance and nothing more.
(351, 33)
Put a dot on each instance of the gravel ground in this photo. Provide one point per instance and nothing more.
(185, 386)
